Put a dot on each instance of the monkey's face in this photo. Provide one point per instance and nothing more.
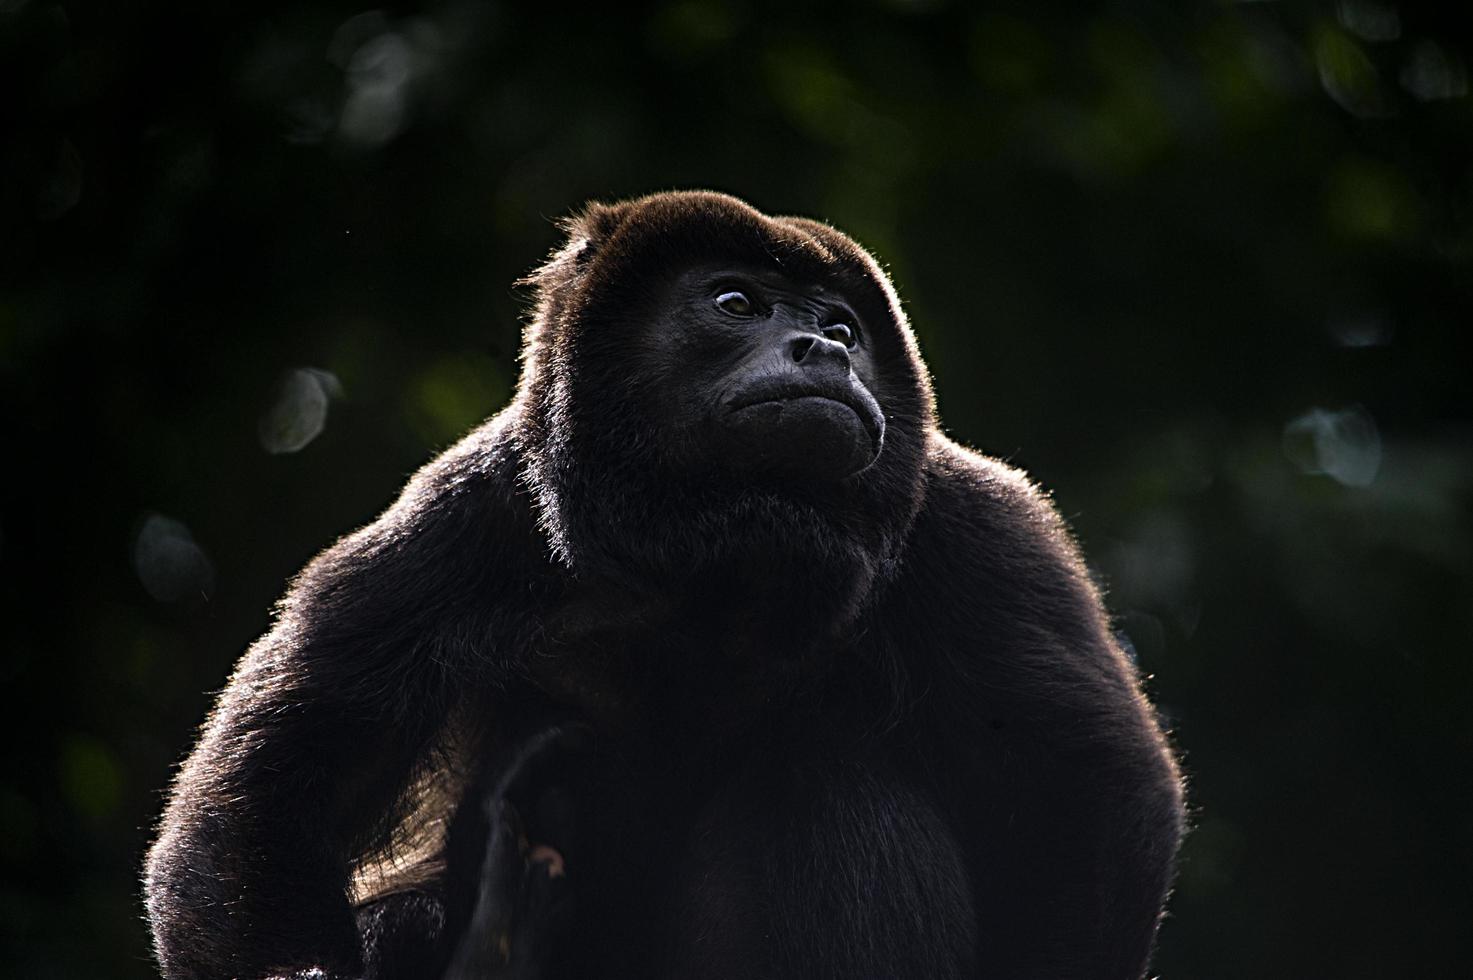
(766, 375)
(714, 388)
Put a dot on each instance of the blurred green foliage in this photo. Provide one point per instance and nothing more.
(1203, 268)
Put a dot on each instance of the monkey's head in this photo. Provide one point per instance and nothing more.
(707, 386)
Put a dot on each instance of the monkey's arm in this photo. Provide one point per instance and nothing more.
(311, 744)
(1060, 782)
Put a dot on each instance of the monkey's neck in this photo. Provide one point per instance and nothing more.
(718, 647)
(743, 609)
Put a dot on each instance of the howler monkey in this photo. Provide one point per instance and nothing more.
(710, 656)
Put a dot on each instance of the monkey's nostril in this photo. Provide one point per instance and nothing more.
(801, 347)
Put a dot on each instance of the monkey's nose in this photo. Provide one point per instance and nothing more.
(810, 348)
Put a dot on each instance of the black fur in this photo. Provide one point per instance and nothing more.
(874, 726)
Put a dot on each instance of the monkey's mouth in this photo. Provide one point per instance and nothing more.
(809, 399)
(818, 431)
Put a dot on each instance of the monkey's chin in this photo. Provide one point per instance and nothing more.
(809, 436)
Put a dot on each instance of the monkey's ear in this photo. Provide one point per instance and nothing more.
(591, 227)
(586, 231)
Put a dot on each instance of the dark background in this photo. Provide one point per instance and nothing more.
(1203, 268)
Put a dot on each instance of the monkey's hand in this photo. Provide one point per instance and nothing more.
(521, 897)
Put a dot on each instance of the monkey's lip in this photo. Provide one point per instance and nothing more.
(800, 397)
(767, 394)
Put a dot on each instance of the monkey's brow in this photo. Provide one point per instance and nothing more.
(715, 273)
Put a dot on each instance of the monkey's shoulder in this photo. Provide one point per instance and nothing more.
(990, 551)
(460, 534)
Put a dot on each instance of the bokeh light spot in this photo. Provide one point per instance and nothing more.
(299, 413)
(1369, 19)
(1369, 200)
(453, 394)
(1434, 73)
(1344, 445)
(169, 563)
(1348, 75)
(89, 776)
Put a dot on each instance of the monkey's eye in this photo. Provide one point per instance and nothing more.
(841, 332)
(736, 303)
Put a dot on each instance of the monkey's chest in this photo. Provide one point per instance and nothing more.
(791, 864)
